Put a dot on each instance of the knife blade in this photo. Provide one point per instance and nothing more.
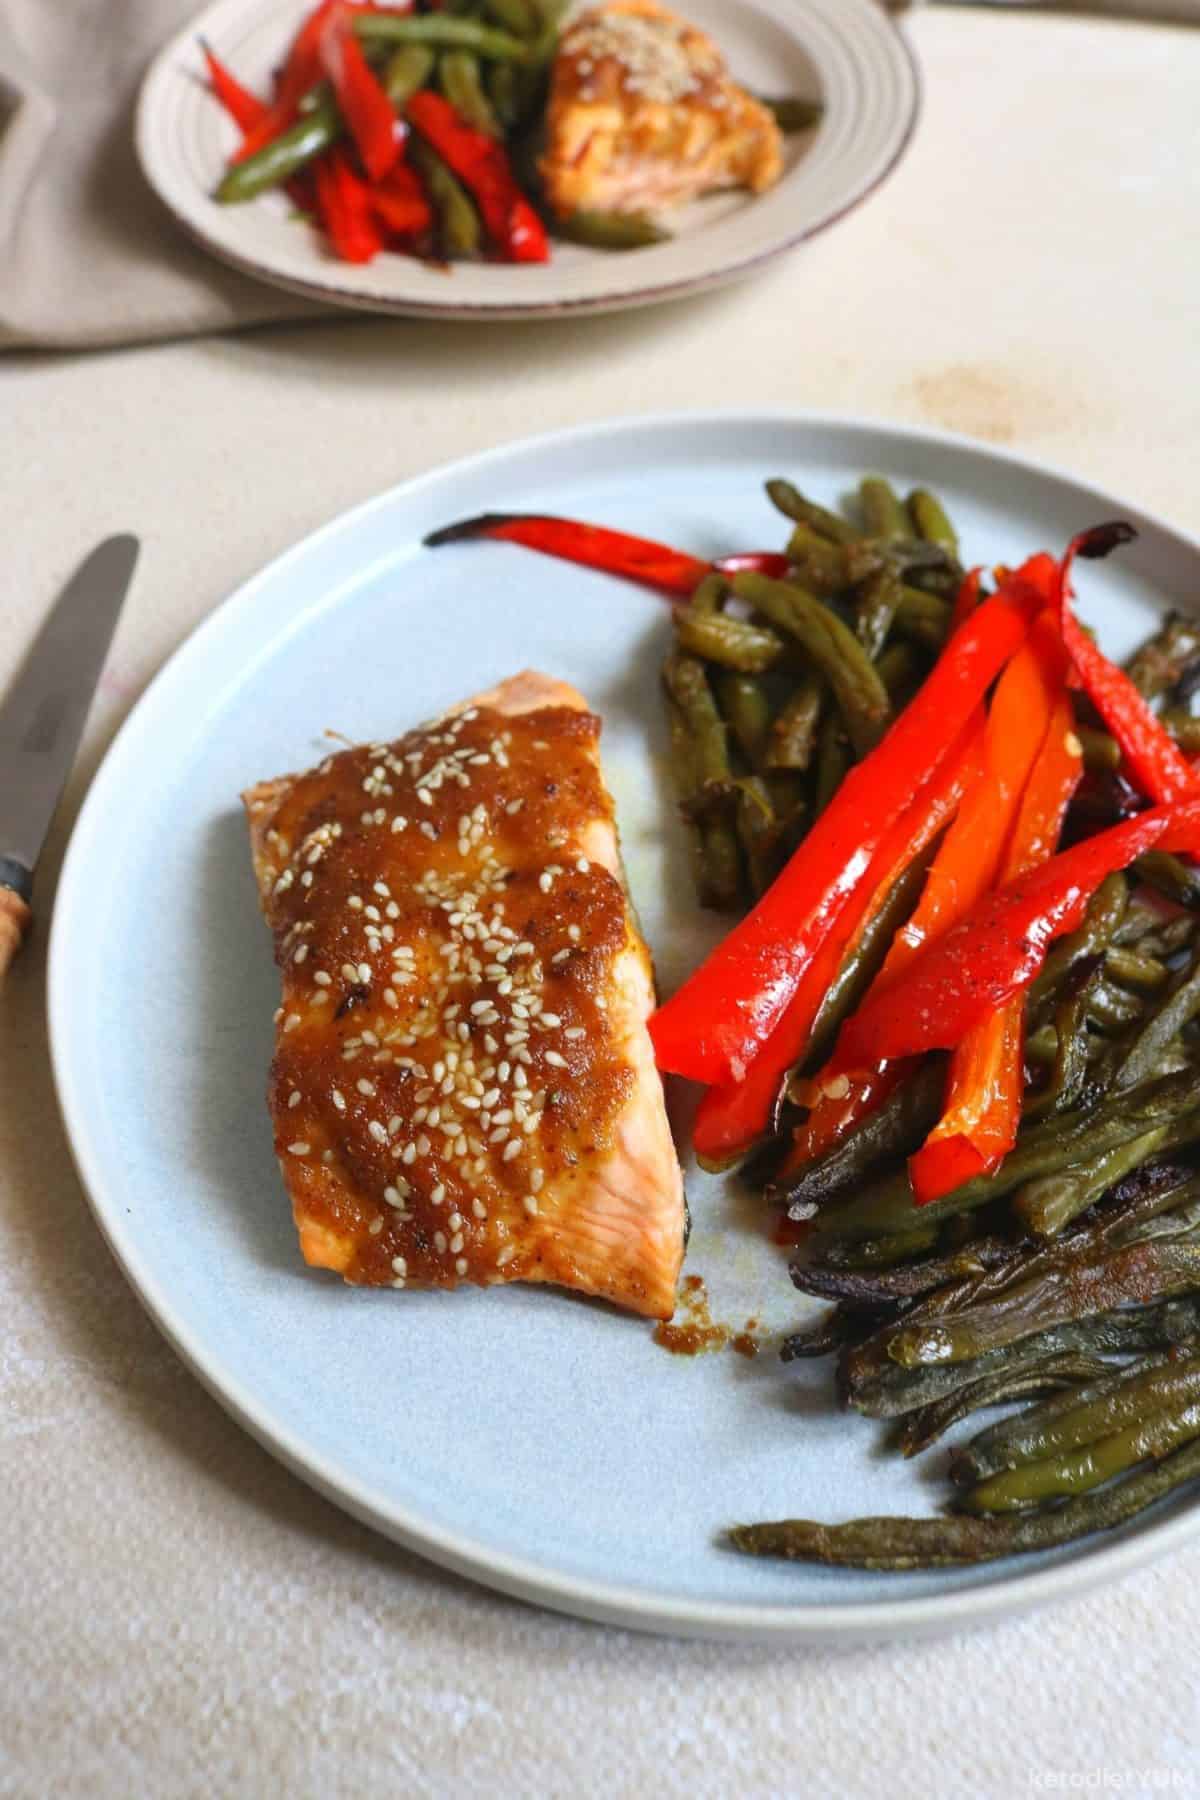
(43, 715)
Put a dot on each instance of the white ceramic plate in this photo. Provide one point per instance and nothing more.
(539, 1443)
(847, 53)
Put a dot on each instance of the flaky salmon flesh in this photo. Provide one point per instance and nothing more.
(642, 114)
(463, 1088)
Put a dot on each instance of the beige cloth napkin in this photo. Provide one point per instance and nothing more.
(88, 255)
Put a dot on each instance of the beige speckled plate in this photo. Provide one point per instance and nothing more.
(847, 53)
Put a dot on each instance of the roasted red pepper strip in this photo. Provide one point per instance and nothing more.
(377, 133)
(672, 572)
(986, 1076)
(998, 949)
(344, 204)
(967, 598)
(966, 865)
(400, 204)
(772, 563)
(1153, 762)
(483, 167)
(244, 108)
(616, 552)
(714, 1026)
(732, 1116)
(301, 71)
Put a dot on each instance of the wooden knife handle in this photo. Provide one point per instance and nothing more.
(15, 919)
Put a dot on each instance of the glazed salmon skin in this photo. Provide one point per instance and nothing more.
(463, 1088)
(642, 114)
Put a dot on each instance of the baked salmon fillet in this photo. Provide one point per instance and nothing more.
(463, 1087)
(642, 114)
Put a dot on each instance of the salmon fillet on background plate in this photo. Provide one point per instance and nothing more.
(463, 1088)
(643, 114)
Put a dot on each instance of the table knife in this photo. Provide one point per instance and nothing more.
(42, 720)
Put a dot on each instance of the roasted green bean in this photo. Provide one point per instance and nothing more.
(1115, 1399)
(802, 511)
(924, 1427)
(747, 711)
(931, 521)
(1163, 659)
(1149, 1439)
(793, 733)
(610, 230)
(459, 231)
(461, 80)
(894, 1543)
(444, 32)
(833, 647)
(883, 515)
(792, 114)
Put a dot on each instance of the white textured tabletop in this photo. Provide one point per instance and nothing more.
(178, 1615)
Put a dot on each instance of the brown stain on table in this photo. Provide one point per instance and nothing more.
(988, 400)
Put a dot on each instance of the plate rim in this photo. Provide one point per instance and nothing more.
(331, 292)
(609, 1603)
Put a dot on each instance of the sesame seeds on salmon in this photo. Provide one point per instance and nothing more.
(642, 114)
(463, 1088)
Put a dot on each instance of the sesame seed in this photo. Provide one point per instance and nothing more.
(506, 1255)
(512, 1149)
(301, 955)
(574, 1032)
(438, 1194)
(399, 1282)
(455, 1221)
(439, 1242)
(299, 1148)
(354, 903)
(377, 1132)
(478, 1208)
(294, 1097)
(291, 1022)
(555, 1060)
(349, 972)
(530, 1204)
(364, 1086)
(400, 1265)
(321, 978)
(394, 1124)
(364, 971)
(583, 865)
(375, 1227)
(460, 1267)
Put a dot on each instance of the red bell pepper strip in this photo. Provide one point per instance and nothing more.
(377, 133)
(400, 205)
(998, 949)
(483, 167)
(966, 865)
(672, 572)
(616, 552)
(771, 563)
(985, 1081)
(734, 1114)
(1155, 764)
(344, 205)
(244, 108)
(967, 598)
(714, 1026)
(301, 71)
